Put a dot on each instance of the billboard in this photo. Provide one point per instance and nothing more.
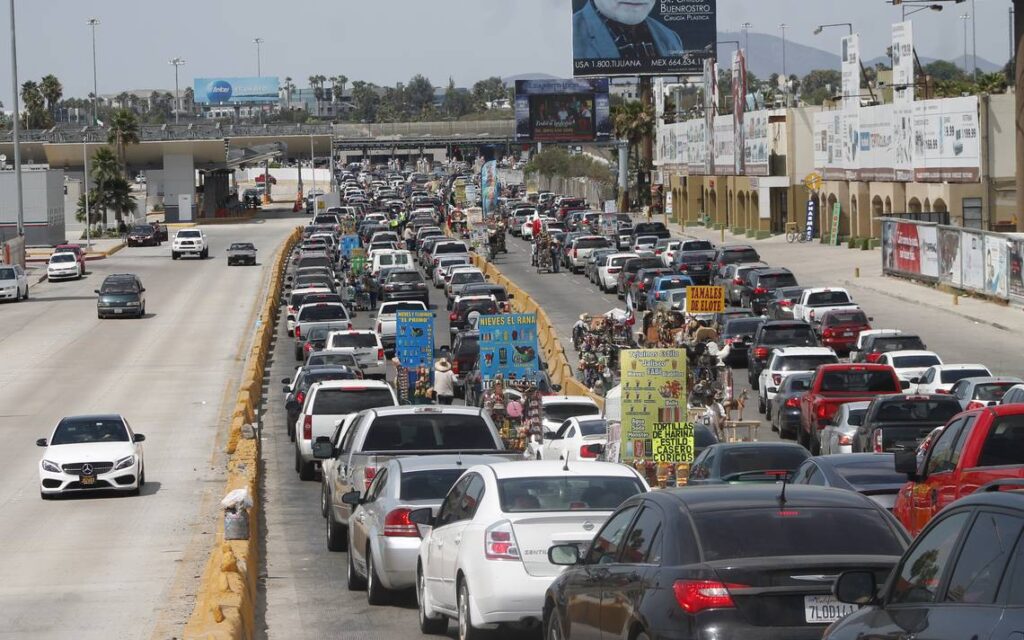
(414, 340)
(508, 346)
(875, 148)
(946, 144)
(253, 90)
(653, 393)
(995, 266)
(1015, 269)
(850, 68)
(903, 62)
(739, 100)
(649, 37)
(972, 251)
(725, 145)
(755, 143)
(563, 110)
(910, 249)
(696, 147)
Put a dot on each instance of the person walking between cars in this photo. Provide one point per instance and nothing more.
(370, 286)
(444, 382)
(122, 229)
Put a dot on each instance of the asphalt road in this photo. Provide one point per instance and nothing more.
(103, 566)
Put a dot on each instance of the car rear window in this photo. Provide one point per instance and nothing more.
(429, 432)
(328, 358)
(407, 306)
(463, 277)
(429, 485)
(917, 410)
(592, 243)
(563, 411)
(321, 312)
(451, 247)
(468, 346)
(860, 381)
(484, 307)
(740, 255)
(353, 400)
(991, 391)
(871, 472)
(742, 326)
(825, 298)
(1004, 444)
(901, 343)
(813, 531)
(618, 262)
(347, 340)
(804, 363)
(949, 376)
(789, 335)
(744, 463)
(845, 317)
(310, 379)
(315, 261)
(696, 257)
(593, 427)
(404, 276)
(673, 283)
(776, 280)
(563, 493)
(914, 361)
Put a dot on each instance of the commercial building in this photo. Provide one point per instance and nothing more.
(43, 205)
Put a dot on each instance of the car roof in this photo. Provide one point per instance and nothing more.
(910, 352)
(546, 468)
(734, 497)
(805, 351)
(551, 400)
(414, 409)
(444, 461)
(94, 416)
(957, 367)
(991, 379)
(353, 384)
(854, 459)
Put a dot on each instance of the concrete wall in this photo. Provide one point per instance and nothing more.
(43, 206)
(179, 177)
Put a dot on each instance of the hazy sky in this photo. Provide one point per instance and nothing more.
(385, 41)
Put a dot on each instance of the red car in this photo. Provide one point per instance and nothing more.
(75, 249)
(840, 327)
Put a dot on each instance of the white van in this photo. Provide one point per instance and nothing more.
(391, 258)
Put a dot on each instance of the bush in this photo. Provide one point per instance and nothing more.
(558, 162)
(853, 243)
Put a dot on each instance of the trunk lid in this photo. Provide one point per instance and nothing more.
(904, 436)
(536, 532)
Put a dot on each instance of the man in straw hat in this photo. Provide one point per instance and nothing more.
(444, 381)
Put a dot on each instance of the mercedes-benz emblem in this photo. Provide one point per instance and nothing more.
(588, 525)
(87, 470)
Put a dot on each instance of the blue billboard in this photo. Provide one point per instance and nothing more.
(508, 346)
(261, 90)
(414, 339)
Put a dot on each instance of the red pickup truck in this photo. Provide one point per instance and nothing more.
(834, 385)
(975, 448)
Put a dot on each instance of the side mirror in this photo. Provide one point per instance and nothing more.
(511, 296)
(95, 290)
(424, 516)
(904, 385)
(323, 448)
(556, 387)
(564, 555)
(352, 498)
(41, 442)
(870, 319)
(141, 289)
(287, 381)
(906, 462)
(854, 587)
(139, 438)
(915, 381)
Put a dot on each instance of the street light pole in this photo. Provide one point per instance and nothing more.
(783, 26)
(92, 22)
(965, 17)
(259, 74)
(177, 62)
(974, 40)
(746, 36)
(17, 126)
(85, 189)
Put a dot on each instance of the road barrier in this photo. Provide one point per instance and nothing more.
(225, 606)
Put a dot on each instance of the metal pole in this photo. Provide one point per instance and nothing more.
(85, 186)
(312, 166)
(177, 62)
(17, 126)
(92, 22)
(964, 17)
(784, 74)
(974, 40)
(259, 73)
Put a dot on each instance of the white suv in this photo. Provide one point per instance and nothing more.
(786, 361)
(608, 271)
(190, 242)
(13, 282)
(365, 345)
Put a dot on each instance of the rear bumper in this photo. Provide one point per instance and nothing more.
(506, 593)
(717, 630)
(397, 562)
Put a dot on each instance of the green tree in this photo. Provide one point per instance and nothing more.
(419, 96)
(117, 196)
(104, 169)
(488, 90)
(365, 100)
(944, 71)
(52, 91)
(456, 103)
(36, 116)
(633, 121)
(123, 131)
(820, 84)
(342, 83)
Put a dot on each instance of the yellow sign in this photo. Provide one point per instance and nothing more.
(705, 299)
(460, 193)
(653, 392)
(814, 181)
(672, 442)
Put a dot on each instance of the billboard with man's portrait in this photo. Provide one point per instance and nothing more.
(563, 110)
(642, 37)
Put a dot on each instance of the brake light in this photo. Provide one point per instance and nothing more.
(298, 331)
(876, 438)
(776, 379)
(827, 333)
(684, 267)
(944, 392)
(737, 280)
(380, 354)
(793, 402)
(612, 270)
(307, 427)
(822, 411)
(398, 525)
(845, 440)
(575, 253)
(974, 404)
(369, 473)
(873, 357)
(694, 596)
(453, 316)
(785, 303)
(657, 252)
(761, 353)
(455, 366)
(760, 291)
(500, 542)
(642, 286)
(300, 397)
(590, 451)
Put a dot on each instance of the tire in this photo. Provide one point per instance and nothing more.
(768, 411)
(802, 438)
(298, 354)
(174, 255)
(337, 533)
(376, 593)
(761, 406)
(553, 626)
(323, 499)
(430, 626)
(307, 470)
(142, 477)
(204, 254)
(466, 631)
(352, 579)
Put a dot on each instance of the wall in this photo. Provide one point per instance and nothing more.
(179, 177)
(43, 206)
(288, 174)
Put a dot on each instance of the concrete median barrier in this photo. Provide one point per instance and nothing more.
(225, 607)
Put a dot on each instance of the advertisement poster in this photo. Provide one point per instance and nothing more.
(349, 243)
(250, 90)
(672, 442)
(946, 143)
(811, 219)
(1015, 269)
(850, 136)
(739, 103)
(489, 186)
(834, 233)
(610, 224)
(995, 266)
(653, 392)
(563, 110)
(950, 258)
(710, 113)
(705, 299)
(358, 257)
(666, 37)
(460, 194)
(972, 248)
(911, 249)
(696, 149)
(850, 68)
(877, 159)
(820, 125)
(755, 143)
(508, 346)
(414, 338)
(903, 62)
(725, 146)
(903, 142)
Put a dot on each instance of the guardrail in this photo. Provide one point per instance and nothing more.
(225, 607)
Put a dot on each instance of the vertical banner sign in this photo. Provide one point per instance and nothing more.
(460, 194)
(489, 186)
(508, 346)
(710, 111)
(903, 62)
(653, 393)
(739, 98)
(812, 216)
(672, 442)
(349, 244)
(851, 71)
(414, 339)
(836, 212)
(358, 257)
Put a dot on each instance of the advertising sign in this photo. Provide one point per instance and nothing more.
(414, 338)
(563, 110)
(950, 257)
(508, 346)
(996, 266)
(358, 257)
(910, 248)
(1015, 269)
(876, 152)
(739, 103)
(834, 234)
(972, 250)
(903, 142)
(725, 146)
(811, 219)
(903, 62)
(672, 442)
(755, 143)
(946, 143)
(696, 148)
(253, 90)
(653, 392)
(705, 299)
(348, 244)
(663, 37)
(489, 186)
(850, 68)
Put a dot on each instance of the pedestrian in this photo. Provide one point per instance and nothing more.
(555, 255)
(371, 289)
(122, 229)
(444, 382)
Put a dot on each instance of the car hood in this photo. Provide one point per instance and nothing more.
(89, 452)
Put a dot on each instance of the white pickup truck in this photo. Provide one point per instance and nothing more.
(190, 242)
(387, 319)
(816, 301)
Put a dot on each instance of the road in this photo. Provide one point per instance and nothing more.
(104, 566)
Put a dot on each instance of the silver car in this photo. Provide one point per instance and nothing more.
(839, 433)
(383, 543)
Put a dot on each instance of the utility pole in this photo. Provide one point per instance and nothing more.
(964, 17)
(1018, 70)
(643, 178)
(259, 73)
(974, 40)
(17, 126)
(746, 37)
(92, 22)
(177, 62)
(783, 26)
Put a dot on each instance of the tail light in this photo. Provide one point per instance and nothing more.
(694, 596)
(786, 303)
(389, 287)
(380, 354)
(455, 366)
(873, 357)
(793, 403)
(845, 440)
(684, 267)
(828, 333)
(307, 347)
(613, 270)
(590, 451)
(369, 473)
(760, 291)
(398, 525)
(307, 427)
(657, 252)
(642, 286)
(776, 379)
(737, 280)
(876, 439)
(761, 353)
(300, 397)
(500, 542)
(350, 326)
(944, 392)
(298, 331)
(575, 253)
(452, 317)
(974, 404)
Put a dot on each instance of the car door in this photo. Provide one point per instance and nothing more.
(363, 518)
(635, 571)
(448, 514)
(585, 586)
(1011, 595)
(926, 384)
(451, 545)
(554, 444)
(340, 483)
(938, 471)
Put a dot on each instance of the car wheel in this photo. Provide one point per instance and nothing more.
(553, 626)
(307, 471)
(768, 411)
(376, 594)
(323, 499)
(353, 580)
(298, 354)
(466, 629)
(428, 625)
(337, 533)
(802, 438)
(142, 477)
(174, 255)
(760, 404)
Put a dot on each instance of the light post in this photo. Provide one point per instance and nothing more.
(259, 74)
(85, 188)
(964, 17)
(783, 27)
(974, 41)
(177, 62)
(16, 128)
(312, 167)
(822, 27)
(92, 22)
(745, 27)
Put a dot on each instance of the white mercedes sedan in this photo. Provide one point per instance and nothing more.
(91, 452)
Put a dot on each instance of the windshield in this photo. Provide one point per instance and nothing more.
(322, 312)
(7, 273)
(564, 410)
(826, 298)
(949, 376)
(142, 229)
(845, 317)
(738, 463)
(344, 401)
(429, 431)
(593, 427)
(917, 410)
(860, 381)
(119, 287)
(992, 391)
(389, 310)
(189, 234)
(429, 485)
(80, 431)
(725, 535)
(803, 363)
(741, 326)
(562, 493)
(450, 247)
(347, 340)
(63, 257)
(914, 361)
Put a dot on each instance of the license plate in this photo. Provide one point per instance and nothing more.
(847, 334)
(87, 480)
(118, 310)
(825, 609)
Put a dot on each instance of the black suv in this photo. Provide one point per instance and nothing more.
(405, 284)
(961, 578)
(650, 229)
(763, 284)
(900, 422)
(773, 335)
(733, 253)
(121, 294)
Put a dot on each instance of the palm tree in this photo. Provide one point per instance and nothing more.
(52, 91)
(118, 196)
(36, 116)
(633, 121)
(342, 81)
(188, 99)
(287, 89)
(123, 131)
(104, 168)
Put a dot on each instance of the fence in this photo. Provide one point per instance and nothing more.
(983, 262)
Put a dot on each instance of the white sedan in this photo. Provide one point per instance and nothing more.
(484, 560)
(940, 378)
(91, 452)
(580, 439)
(63, 266)
(13, 283)
(910, 365)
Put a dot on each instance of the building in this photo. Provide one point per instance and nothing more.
(43, 201)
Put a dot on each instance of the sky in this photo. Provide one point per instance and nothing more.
(387, 41)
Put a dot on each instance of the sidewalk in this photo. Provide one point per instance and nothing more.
(101, 248)
(823, 265)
